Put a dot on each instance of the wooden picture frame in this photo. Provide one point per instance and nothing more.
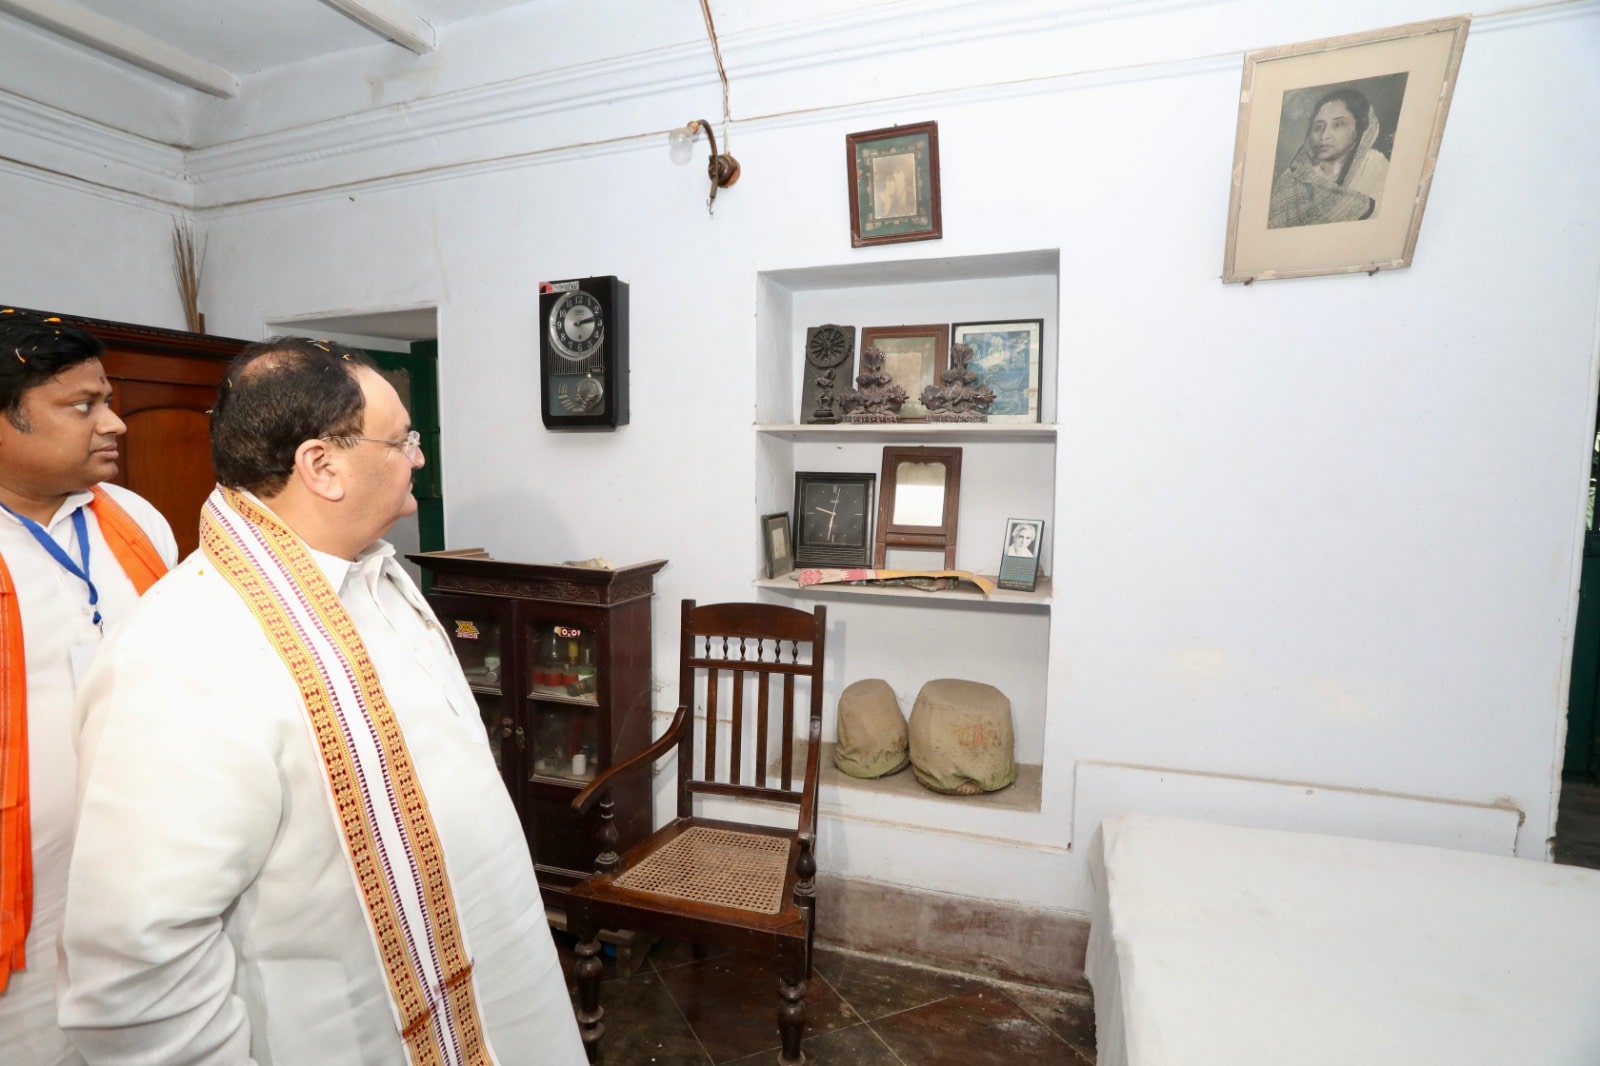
(1019, 554)
(894, 184)
(918, 501)
(776, 545)
(1008, 358)
(914, 356)
(1319, 187)
(833, 518)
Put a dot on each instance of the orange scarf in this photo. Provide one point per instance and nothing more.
(142, 563)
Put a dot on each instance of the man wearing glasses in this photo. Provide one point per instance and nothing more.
(293, 842)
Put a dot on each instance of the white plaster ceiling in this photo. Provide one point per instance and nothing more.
(238, 38)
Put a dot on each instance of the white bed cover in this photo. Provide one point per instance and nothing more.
(1214, 945)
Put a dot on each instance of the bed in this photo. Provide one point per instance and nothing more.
(1214, 944)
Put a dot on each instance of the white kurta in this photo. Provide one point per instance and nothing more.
(212, 916)
(55, 619)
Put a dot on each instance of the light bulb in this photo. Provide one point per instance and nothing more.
(680, 143)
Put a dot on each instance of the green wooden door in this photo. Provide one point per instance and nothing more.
(415, 376)
(1583, 700)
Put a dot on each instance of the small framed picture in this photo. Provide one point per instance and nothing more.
(914, 357)
(1006, 356)
(775, 543)
(1335, 150)
(833, 519)
(1019, 558)
(894, 184)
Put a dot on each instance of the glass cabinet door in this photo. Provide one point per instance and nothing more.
(563, 700)
(478, 637)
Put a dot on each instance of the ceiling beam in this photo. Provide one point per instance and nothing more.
(113, 38)
(388, 19)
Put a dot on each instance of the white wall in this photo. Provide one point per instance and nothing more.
(1319, 534)
(85, 251)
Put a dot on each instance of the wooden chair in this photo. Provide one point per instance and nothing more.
(749, 887)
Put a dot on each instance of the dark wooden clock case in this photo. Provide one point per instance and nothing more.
(612, 294)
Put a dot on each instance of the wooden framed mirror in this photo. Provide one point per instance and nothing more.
(919, 493)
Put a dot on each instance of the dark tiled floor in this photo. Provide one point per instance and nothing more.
(1578, 825)
(722, 1010)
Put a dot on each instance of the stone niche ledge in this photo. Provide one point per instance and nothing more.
(1021, 795)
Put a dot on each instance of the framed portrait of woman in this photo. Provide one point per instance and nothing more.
(1335, 151)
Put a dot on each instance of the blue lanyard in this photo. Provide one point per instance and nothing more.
(80, 525)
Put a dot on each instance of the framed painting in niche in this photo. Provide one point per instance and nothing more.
(1006, 356)
(833, 518)
(918, 501)
(894, 184)
(1335, 150)
(914, 357)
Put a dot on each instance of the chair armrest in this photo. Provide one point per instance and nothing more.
(591, 792)
(807, 822)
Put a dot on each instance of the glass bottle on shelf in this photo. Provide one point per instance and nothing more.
(569, 654)
(584, 685)
(548, 673)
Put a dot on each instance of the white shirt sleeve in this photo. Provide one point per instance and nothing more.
(174, 823)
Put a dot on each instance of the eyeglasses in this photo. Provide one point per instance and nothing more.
(410, 444)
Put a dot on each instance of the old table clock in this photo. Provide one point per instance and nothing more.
(583, 353)
(833, 519)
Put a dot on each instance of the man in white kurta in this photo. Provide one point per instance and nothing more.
(59, 630)
(212, 913)
(60, 635)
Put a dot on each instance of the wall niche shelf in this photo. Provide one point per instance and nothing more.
(941, 431)
(964, 597)
(902, 635)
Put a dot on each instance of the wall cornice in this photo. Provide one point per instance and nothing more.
(929, 54)
(54, 146)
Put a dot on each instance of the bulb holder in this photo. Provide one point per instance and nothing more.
(722, 169)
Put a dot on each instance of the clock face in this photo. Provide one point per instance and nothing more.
(835, 513)
(577, 325)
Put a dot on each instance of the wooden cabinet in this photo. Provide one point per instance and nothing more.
(559, 658)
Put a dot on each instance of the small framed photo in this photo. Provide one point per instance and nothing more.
(1335, 150)
(775, 543)
(1019, 558)
(833, 519)
(914, 356)
(894, 184)
(1006, 356)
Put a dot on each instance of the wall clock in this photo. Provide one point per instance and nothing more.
(583, 353)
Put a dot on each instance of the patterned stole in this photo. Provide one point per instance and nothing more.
(389, 837)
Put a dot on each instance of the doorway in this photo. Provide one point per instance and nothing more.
(1577, 839)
